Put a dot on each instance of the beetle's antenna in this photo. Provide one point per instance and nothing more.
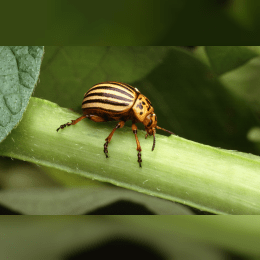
(158, 127)
(153, 141)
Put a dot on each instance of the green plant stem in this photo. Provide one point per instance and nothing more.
(208, 178)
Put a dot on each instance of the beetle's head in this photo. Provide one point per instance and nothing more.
(150, 123)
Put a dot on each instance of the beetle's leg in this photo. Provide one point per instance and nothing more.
(134, 128)
(73, 122)
(108, 139)
(96, 118)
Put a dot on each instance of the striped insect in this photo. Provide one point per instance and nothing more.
(115, 101)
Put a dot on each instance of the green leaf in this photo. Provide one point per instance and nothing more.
(19, 71)
(244, 82)
(197, 175)
(82, 201)
(226, 58)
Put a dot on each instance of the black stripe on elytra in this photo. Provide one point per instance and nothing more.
(104, 94)
(105, 102)
(110, 88)
(124, 85)
(103, 109)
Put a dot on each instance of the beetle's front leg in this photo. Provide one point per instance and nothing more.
(108, 139)
(134, 128)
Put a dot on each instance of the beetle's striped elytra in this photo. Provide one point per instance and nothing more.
(115, 101)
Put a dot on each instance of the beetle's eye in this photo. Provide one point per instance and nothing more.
(150, 122)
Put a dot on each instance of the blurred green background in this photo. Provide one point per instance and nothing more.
(127, 237)
(157, 22)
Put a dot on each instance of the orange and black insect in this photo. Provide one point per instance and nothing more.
(115, 101)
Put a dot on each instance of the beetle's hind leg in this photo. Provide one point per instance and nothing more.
(73, 122)
(134, 128)
(108, 139)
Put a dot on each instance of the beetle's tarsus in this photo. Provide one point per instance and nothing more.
(139, 159)
(62, 126)
(105, 148)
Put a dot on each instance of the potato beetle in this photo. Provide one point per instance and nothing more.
(115, 101)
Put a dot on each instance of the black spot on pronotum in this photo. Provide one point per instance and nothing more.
(141, 113)
(139, 105)
(148, 101)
